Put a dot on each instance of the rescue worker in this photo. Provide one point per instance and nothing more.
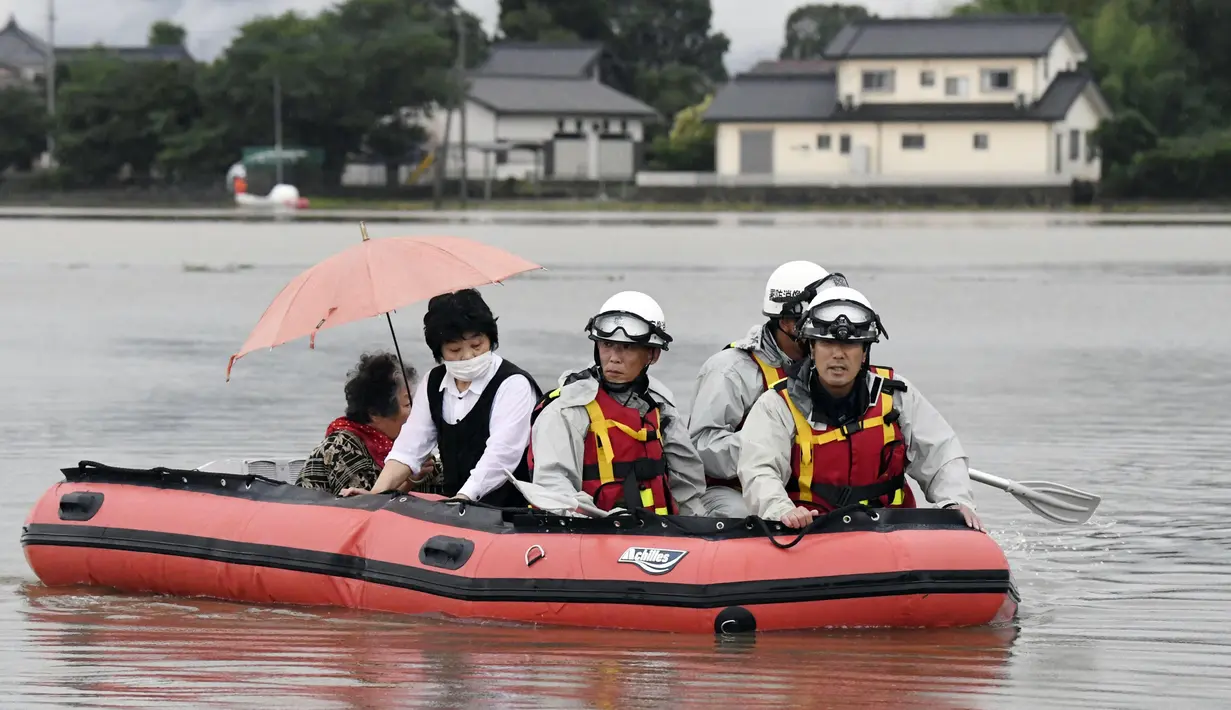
(838, 430)
(732, 378)
(610, 434)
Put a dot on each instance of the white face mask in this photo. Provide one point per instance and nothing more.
(469, 370)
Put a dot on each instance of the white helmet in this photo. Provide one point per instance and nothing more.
(841, 313)
(630, 317)
(790, 282)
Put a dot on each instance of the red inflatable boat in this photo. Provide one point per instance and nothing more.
(252, 539)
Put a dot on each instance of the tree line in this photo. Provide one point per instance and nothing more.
(349, 77)
(344, 74)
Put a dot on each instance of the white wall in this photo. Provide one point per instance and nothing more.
(1084, 117)
(485, 126)
(1012, 149)
(907, 87)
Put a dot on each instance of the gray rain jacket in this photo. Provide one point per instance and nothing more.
(559, 434)
(729, 383)
(936, 458)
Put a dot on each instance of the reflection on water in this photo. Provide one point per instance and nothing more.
(1091, 357)
(117, 646)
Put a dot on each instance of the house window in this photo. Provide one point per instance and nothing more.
(1046, 68)
(623, 127)
(980, 141)
(957, 86)
(577, 127)
(559, 125)
(878, 81)
(927, 78)
(823, 141)
(998, 79)
(844, 144)
(502, 157)
(1091, 147)
(912, 141)
(1074, 144)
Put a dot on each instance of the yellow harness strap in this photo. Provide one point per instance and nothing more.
(769, 373)
(806, 438)
(600, 426)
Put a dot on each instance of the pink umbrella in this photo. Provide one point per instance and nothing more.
(375, 277)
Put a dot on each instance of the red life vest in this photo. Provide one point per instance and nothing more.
(769, 376)
(623, 464)
(864, 461)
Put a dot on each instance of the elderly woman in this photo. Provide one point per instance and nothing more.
(356, 444)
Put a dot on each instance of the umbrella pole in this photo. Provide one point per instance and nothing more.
(363, 230)
(398, 351)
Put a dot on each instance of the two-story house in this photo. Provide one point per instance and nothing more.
(544, 109)
(992, 99)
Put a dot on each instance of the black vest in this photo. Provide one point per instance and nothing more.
(462, 444)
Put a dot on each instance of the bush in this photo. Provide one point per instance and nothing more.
(1122, 138)
(1185, 169)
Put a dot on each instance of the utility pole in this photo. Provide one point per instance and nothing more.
(50, 79)
(441, 160)
(462, 99)
(278, 127)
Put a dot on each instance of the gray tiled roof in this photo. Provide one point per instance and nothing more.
(752, 98)
(20, 48)
(949, 37)
(779, 67)
(1064, 89)
(538, 96)
(164, 53)
(555, 60)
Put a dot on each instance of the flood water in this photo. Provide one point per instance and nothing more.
(1089, 356)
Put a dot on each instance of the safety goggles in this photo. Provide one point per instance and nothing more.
(842, 320)
(794, 304)
(635, 328)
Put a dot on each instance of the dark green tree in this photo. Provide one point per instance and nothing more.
(809, 28)
(672, 55)
(166, 34)
(554, 20)
(114, 114)
(340, 73)
(23, 125)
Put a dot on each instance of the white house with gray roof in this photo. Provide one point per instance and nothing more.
(964, 100)
(23, 55)
(542, 109)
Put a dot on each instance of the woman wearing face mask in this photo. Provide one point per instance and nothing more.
(478, 409)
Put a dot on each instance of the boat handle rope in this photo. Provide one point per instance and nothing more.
(541, 555)
(817, 522)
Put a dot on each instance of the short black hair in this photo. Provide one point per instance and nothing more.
(451, 316)
(372, 387)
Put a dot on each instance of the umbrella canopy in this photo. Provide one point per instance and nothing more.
(374, 277)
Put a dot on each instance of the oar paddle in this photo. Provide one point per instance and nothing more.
(1053, 501)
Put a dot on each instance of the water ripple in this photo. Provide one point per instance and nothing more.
(1093, 359)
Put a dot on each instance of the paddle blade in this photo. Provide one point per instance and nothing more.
(1059, 503)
